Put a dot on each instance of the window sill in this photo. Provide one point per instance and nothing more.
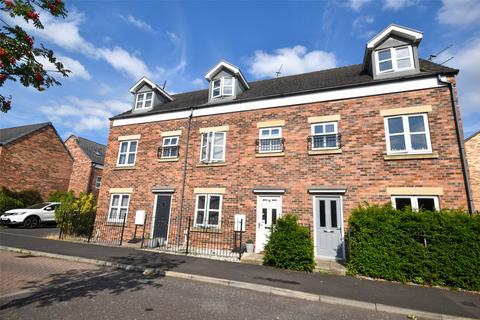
(206, 229)
(114, 223)
(270, 154)
(326, 151)
(212, 164)
(168, 159)
(433, 155)
(124, 168)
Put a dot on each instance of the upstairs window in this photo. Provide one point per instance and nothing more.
(394, 59)
(127, 153)
(408, 134)
(213, 147)
(270, 140)
(144, 100)
(325, 136)
(98, 182)
(170, 147)
(222, 87)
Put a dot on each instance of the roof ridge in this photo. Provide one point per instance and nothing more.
(78, 137)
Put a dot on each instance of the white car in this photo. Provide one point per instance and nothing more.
(31, 217)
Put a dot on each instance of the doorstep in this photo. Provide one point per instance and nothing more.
(329, 266)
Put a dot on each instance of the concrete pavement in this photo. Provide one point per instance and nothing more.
(381, 293)
(69, 290)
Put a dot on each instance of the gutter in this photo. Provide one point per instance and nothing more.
(184, 178)
(463, 159)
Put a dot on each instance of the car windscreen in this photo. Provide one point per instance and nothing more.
(38, 205)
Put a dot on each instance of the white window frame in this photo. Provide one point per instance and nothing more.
(222, 87)
(260, 138)
(407, 134)
(393, 57)
(414, 201)
(98, 182)
(119, 207)
(144, 100)
(207, 210)
(170, 145)
(210, 147)
(335, 125)
(127, 153)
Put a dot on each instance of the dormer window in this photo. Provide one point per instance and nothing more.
(144, 100)
(394, 59)
(222, 87)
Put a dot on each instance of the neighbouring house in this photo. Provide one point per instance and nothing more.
(472, 148)
(88, 157)
(316, 144)
(34, 157)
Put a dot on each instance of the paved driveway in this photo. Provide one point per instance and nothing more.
(55, 289)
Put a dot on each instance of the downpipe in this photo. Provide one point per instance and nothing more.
(463, 159)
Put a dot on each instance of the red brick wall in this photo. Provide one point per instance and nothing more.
(361, 166)
(472, 148)
(37, 161)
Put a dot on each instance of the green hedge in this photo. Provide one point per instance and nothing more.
(8, 203)
(290, 246)
(76, 216)
(434, 248)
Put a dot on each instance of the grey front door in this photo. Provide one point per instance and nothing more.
(162, 216)
(328, 223)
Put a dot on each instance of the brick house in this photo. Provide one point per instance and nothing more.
(87, 165)
(34, 157)
(472, 148)
(316, 144)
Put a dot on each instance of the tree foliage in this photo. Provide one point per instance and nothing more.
(19, 53)
(76, 216)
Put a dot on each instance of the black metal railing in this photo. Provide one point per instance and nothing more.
(226, 241)
(323, 141)
(168, 152)
(84, 227)
(269, 145)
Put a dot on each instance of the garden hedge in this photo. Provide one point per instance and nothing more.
(434, 248)
(289, 246)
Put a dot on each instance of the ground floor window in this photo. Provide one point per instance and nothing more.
(429, 203)
(208, 210)
(118, 207)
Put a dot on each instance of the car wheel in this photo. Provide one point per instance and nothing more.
(31, 222)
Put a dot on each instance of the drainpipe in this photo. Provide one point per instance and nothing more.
(184, 178)
(463, 159)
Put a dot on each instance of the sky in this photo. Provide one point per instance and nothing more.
(110, 45)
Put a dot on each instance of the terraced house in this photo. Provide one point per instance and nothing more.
(316, 144)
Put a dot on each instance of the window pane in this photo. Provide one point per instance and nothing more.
(149, 95)
(397, 143)
(274, 216)
(215, 202)
(140, 97)
(218, 153)
(133, 146)
(333, 213)
(123, 213)
(174, 141)
(329, 128)
(115, 200)
(275, 133)
(322, 213)
(213, 217)
(395, 125)
(200, 216)
(331, 141)
(113, 213)
(166, 142)
(216, 92)
(319, 142)
(227, 91)
(131, 158)
(121, 159)
(318, 129)
(416, 124)
(201, 202)
(125, 201)
(386, 65)
(227, 81)
(419, 141)
(148, 104)
(265, 133)
(139, 105)
(216, 84)
(426, 204)
(264, 215)
(123, 146)
(402, 203)
(403, 52)
(403, 63)
(218, 139)
(384, 55)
